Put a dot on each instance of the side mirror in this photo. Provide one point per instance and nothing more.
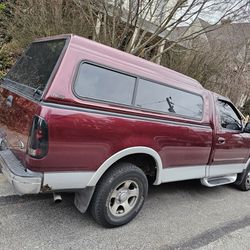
(247, 128)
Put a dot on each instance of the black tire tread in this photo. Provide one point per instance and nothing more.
(241, 185)
(98, 199)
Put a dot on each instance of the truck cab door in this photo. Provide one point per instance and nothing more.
(231, 146)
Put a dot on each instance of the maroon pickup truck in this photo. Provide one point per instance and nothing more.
(78, 116)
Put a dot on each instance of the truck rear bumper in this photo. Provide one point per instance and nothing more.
(23, 180)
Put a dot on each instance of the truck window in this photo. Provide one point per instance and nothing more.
(229, 119)
(157, 97)
(34, 68)
(103, 84)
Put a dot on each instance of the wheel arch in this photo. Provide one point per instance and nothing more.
(127, 152)
(247, 163)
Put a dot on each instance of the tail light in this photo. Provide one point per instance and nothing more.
(38, 138)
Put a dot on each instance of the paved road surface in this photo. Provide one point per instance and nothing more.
(182, 215)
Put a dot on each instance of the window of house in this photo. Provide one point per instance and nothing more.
(166, 99)
(229, 119)
(104, 84)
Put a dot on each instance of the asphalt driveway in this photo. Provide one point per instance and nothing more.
(184, 215)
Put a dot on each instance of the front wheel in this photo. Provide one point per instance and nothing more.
(244, 183)
(119, 195)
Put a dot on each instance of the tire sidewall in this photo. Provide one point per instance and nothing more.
(244, 185)
(141, 181)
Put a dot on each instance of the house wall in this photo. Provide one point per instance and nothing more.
(156, 11)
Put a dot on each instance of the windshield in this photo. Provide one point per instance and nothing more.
(36, 65)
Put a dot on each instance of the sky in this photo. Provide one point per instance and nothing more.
(215, 9)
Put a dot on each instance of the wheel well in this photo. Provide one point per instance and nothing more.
(143, 161)
(146, 159)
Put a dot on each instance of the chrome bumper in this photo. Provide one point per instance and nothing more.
(23, 180)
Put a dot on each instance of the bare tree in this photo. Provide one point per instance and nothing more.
(146, 26)
(221, 64)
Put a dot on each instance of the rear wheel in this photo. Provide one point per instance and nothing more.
(119, 195)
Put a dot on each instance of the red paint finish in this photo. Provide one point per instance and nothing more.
(236, 145)
(83, 134)
(82, 141)
(15, 121)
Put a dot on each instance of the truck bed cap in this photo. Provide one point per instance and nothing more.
(131, 63)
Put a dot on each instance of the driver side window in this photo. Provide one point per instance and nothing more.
(229, 119)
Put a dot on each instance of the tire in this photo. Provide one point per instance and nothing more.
(244, 183)
(119, 195)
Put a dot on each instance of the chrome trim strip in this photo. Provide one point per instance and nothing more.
(228, 159)
(138, 117)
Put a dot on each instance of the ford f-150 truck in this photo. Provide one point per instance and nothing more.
(78, 116)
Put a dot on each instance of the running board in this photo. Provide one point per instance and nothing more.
(218, 181)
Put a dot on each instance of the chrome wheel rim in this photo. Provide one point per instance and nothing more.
(123, 198)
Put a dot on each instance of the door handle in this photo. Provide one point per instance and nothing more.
(221, 140)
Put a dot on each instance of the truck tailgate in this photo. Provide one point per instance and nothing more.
(16, 115)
